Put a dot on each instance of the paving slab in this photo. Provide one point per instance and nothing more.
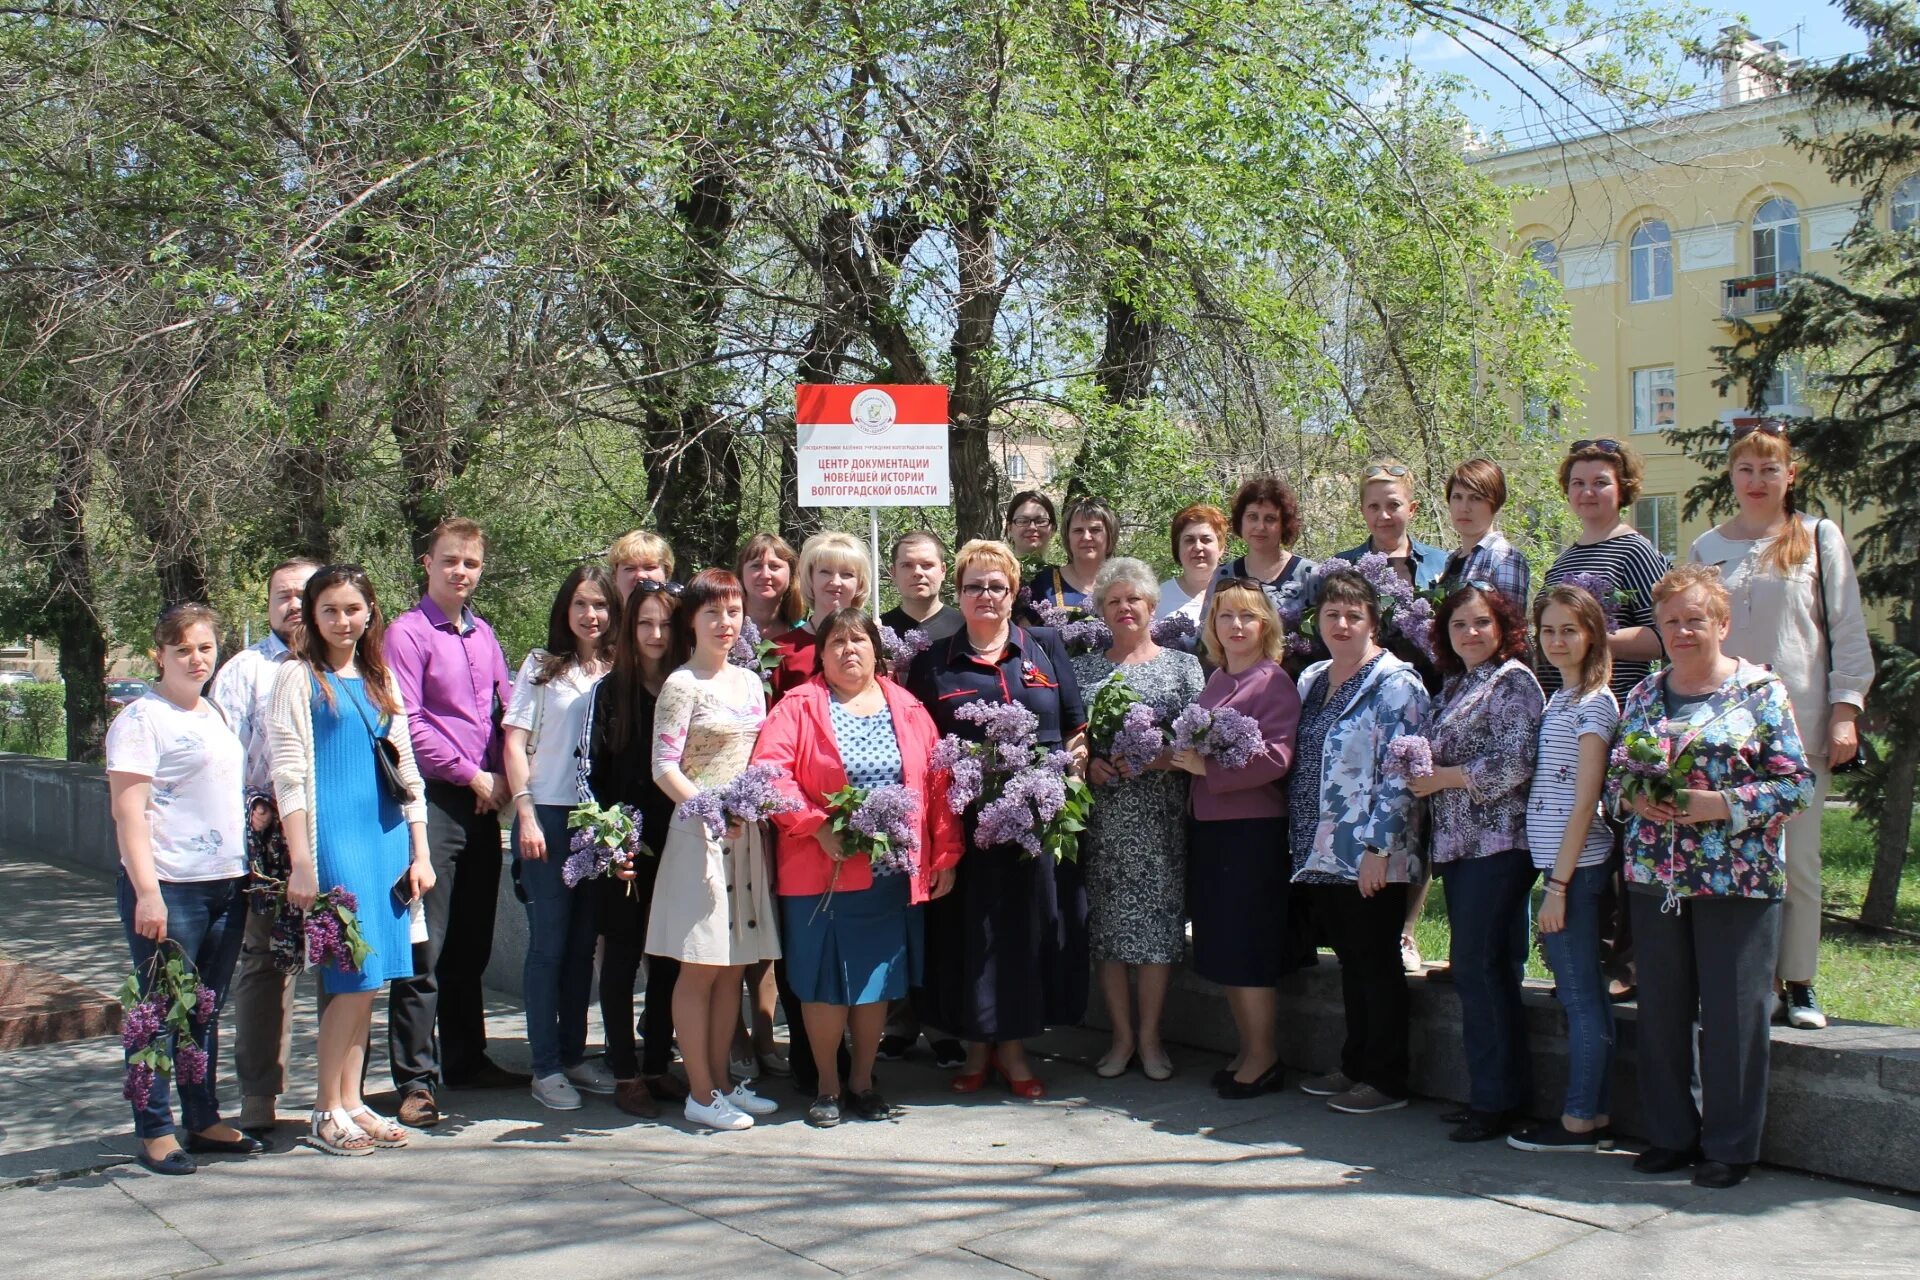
(89, 1229)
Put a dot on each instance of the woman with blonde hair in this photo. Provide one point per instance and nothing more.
(1794, 606)
(1237, 863)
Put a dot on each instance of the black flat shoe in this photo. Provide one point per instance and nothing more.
(1222, 1078)
(1482, 1126)
(243, 1146)
(1664, 1160)
(1718, 1175)
(1269, 1081)
(825, 1112)
(175, 1162)
(893, 1048)
(1457, 1115)
(870, 1105)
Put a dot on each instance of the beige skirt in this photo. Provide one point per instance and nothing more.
(713, 899)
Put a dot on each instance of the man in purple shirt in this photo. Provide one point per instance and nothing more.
(454, 681)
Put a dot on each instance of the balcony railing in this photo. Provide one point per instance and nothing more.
(1746, 296)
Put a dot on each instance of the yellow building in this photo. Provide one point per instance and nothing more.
(1660, 235)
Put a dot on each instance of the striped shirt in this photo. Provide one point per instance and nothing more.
(1631, 564)
(1556, 772)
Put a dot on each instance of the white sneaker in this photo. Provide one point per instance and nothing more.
(591, 1077)
(555, 1093)
(1410, 959)
(718, 1114)
(745, 1099)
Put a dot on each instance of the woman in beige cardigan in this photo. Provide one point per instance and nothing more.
(1796, 609)
(345, 831)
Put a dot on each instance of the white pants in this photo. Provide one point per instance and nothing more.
(1800, 914)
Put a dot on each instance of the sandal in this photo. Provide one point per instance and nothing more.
(384, 1132)
(334, 1133)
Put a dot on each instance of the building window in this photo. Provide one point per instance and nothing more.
(1547, 254)
(1906, 204)
(1658, 520)
(1654, 405)
(1016, 467)
(1776, 238)
(1650, 262)
(1786, 386)
(1053, 469)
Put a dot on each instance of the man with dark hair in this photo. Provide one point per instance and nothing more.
(262, 990)
(919, 569)
(454, 680)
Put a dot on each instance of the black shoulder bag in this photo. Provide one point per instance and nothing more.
(386, 756)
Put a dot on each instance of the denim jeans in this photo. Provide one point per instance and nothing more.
(1574, 956)
(1489, 958)
(207, 918)
(558, 978)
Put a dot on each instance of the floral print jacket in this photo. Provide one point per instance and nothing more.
(1746, 746)
(1360, 806)
(1487, 722)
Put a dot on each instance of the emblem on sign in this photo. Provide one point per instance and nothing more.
(873, 411)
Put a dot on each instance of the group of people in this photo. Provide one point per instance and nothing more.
(1492, 738)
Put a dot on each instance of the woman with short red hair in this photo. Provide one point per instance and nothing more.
(1199, 537)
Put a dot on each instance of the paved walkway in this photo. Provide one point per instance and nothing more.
(1105, 1178)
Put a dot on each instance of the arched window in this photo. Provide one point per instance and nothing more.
(1547, 254)
(1650, 262)
(1776, 238)
(1906, 204)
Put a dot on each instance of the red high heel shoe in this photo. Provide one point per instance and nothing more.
(1032, 1088)
(974, 1081)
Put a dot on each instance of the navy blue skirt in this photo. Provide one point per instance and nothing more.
(858, 946)
(1237, 872)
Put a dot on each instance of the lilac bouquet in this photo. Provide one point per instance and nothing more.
(876, 823)
(1021, 792)
(1123, 728)
(754, 652)
(333, 932)
(1603, 592)
(1646, 766)
(900, 651)
(1228, 737)
(1408, 756)
(1401, 608)
(603, 841)
(168, 1004)
(1080, 632)
(1175, 631)
(750, 797)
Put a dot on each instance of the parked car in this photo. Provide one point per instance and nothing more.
(17, 677)
(121, 692)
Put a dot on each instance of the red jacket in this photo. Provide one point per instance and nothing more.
(798, 740)
(796, 648)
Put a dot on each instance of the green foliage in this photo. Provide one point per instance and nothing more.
(33, 719)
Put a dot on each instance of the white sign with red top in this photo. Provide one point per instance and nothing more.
(872, 446)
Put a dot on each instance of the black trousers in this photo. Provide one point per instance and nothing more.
(1712, 961)
(1365, 934)
(437, 1024)
(623, 926)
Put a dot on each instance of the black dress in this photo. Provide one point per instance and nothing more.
(1006, 951)
(625, 776)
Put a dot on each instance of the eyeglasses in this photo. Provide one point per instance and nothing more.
(987, 590)
(1382, 470)
(1030, 522)
(1765, 426)
(653, 586)
(1605, 444)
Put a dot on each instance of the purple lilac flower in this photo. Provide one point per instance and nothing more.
(1058, 761)
(1138, 742)
(889, 811)
(1233, 738)
(1597, 586)
(1086, 635)
(585, 864)
(1002, 721)
(1189, 728)
(753, 797)
(967, 782)
(1174, 629)
(1008, 820)
(143, 1022)
(1408, 756)
(190, 1062)
(746, 646)
(139, 1085)
(899, 651)
(709, 808)
(203, 1005)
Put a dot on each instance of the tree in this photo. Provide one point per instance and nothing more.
(1858, 333)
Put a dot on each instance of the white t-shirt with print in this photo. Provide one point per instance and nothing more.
(1556, 769)
(554, 714)
(196, 822)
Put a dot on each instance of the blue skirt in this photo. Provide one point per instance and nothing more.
(858, 947)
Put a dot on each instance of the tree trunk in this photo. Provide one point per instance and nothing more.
(73, 608)
(970, 408)
(1896, 804)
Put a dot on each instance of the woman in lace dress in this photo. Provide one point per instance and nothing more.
(713, 905)
(1137, 846)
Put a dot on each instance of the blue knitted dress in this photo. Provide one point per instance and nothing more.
(362, 835)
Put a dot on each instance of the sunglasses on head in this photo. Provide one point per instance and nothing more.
(1765, 426)
(1387, 470)
(651, 586)
(1605, 444)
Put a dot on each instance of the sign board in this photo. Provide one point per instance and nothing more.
(872, 446)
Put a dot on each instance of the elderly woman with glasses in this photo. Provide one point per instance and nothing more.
(1136, 847)
(1007, 948)
(1705, 878)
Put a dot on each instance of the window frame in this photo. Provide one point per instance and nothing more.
(1657, 254)
(1906, 193)
(1665, 510)
(1651, 386)
(1775, 229)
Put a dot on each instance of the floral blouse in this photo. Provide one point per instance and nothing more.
(1486, 722)
(1746, 746)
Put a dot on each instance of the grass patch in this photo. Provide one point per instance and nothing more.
(1865, 976)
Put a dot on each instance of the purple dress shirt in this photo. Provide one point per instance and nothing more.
(451, 679)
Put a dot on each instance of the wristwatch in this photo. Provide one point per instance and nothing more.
(1378, 853)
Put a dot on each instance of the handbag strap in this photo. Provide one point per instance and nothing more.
(359, 710)
(1820, 597)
